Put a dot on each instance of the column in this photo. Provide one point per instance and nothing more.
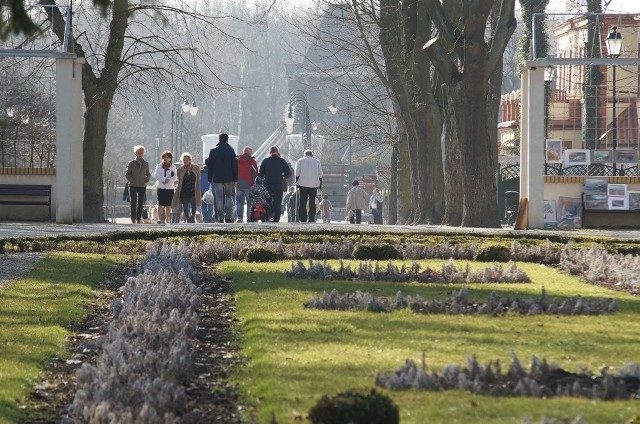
(69, 124)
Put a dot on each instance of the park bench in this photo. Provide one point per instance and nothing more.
(14, 194)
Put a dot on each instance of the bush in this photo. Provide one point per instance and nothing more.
(355, 407)
(376, 252)
(492, 252)
(258, 254)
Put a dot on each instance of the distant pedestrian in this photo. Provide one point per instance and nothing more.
(223, 175)
(289, 204)
(138, 176)
(273, 170)
(309, 181)
(247, 173)
(376, 204)
(165, 175)
(357, 201)
(207, 201)
(187, 191)
(325, 209)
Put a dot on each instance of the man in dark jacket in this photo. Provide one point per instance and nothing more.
(273, 170)
(223, 176)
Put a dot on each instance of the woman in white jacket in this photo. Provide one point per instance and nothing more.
(375, 204)
(166, 175)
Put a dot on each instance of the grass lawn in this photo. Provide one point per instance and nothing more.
(295, 355)
(35, 315)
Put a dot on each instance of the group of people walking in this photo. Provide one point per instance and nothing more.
(225, 189)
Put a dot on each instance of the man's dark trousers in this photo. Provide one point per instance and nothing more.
(276, 201)
(307, 198)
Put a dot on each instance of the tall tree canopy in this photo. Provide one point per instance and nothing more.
(15, 19)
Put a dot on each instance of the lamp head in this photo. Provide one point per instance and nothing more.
(333, 108)
(614, 42)
(288, 120)
(549, 73)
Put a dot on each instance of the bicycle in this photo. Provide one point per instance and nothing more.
(511, 205)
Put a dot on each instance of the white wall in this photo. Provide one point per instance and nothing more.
(209, 141)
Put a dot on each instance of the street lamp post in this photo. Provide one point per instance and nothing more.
(299, 96)
(333, 109)
(177, 122)
(549, 74)
(614, 47)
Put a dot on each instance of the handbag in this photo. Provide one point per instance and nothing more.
(285, 185)
(145, 213)
(208, 198)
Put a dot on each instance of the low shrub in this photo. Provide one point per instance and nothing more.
(258, 254)
(376, 252)
(492, 252)
(356, 407)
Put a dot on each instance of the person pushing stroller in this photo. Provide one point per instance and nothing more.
(259, 199)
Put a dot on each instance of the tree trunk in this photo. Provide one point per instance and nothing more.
(95, 140)
(479, 203)
(409, 77)
(452, 173)
(405, 200)
(466, 61)
(392, 200)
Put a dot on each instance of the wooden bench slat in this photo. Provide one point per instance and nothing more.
(24, 202)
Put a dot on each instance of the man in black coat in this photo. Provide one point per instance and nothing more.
(273, 170)
(222, 171)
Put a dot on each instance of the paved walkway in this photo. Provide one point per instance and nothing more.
(44, 229)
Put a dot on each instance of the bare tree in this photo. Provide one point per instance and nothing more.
(465, 61)
(142, 39)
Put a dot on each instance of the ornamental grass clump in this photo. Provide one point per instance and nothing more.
(597, 266)
(449, 273)
(324, 250)
(548, 253)
(445, 250)
(146, 355)
(173, 257)
(543, 380)
(459, 304)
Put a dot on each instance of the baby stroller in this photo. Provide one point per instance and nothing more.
(259, 200)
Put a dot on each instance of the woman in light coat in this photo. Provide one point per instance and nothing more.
(188, 188)
(357, 201)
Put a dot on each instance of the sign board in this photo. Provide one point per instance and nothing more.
(368, 182)
(209, 141)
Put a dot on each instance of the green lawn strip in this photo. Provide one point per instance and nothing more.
(297, 355)
(36, 312)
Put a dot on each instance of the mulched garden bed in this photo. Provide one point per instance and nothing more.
(216, 356)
